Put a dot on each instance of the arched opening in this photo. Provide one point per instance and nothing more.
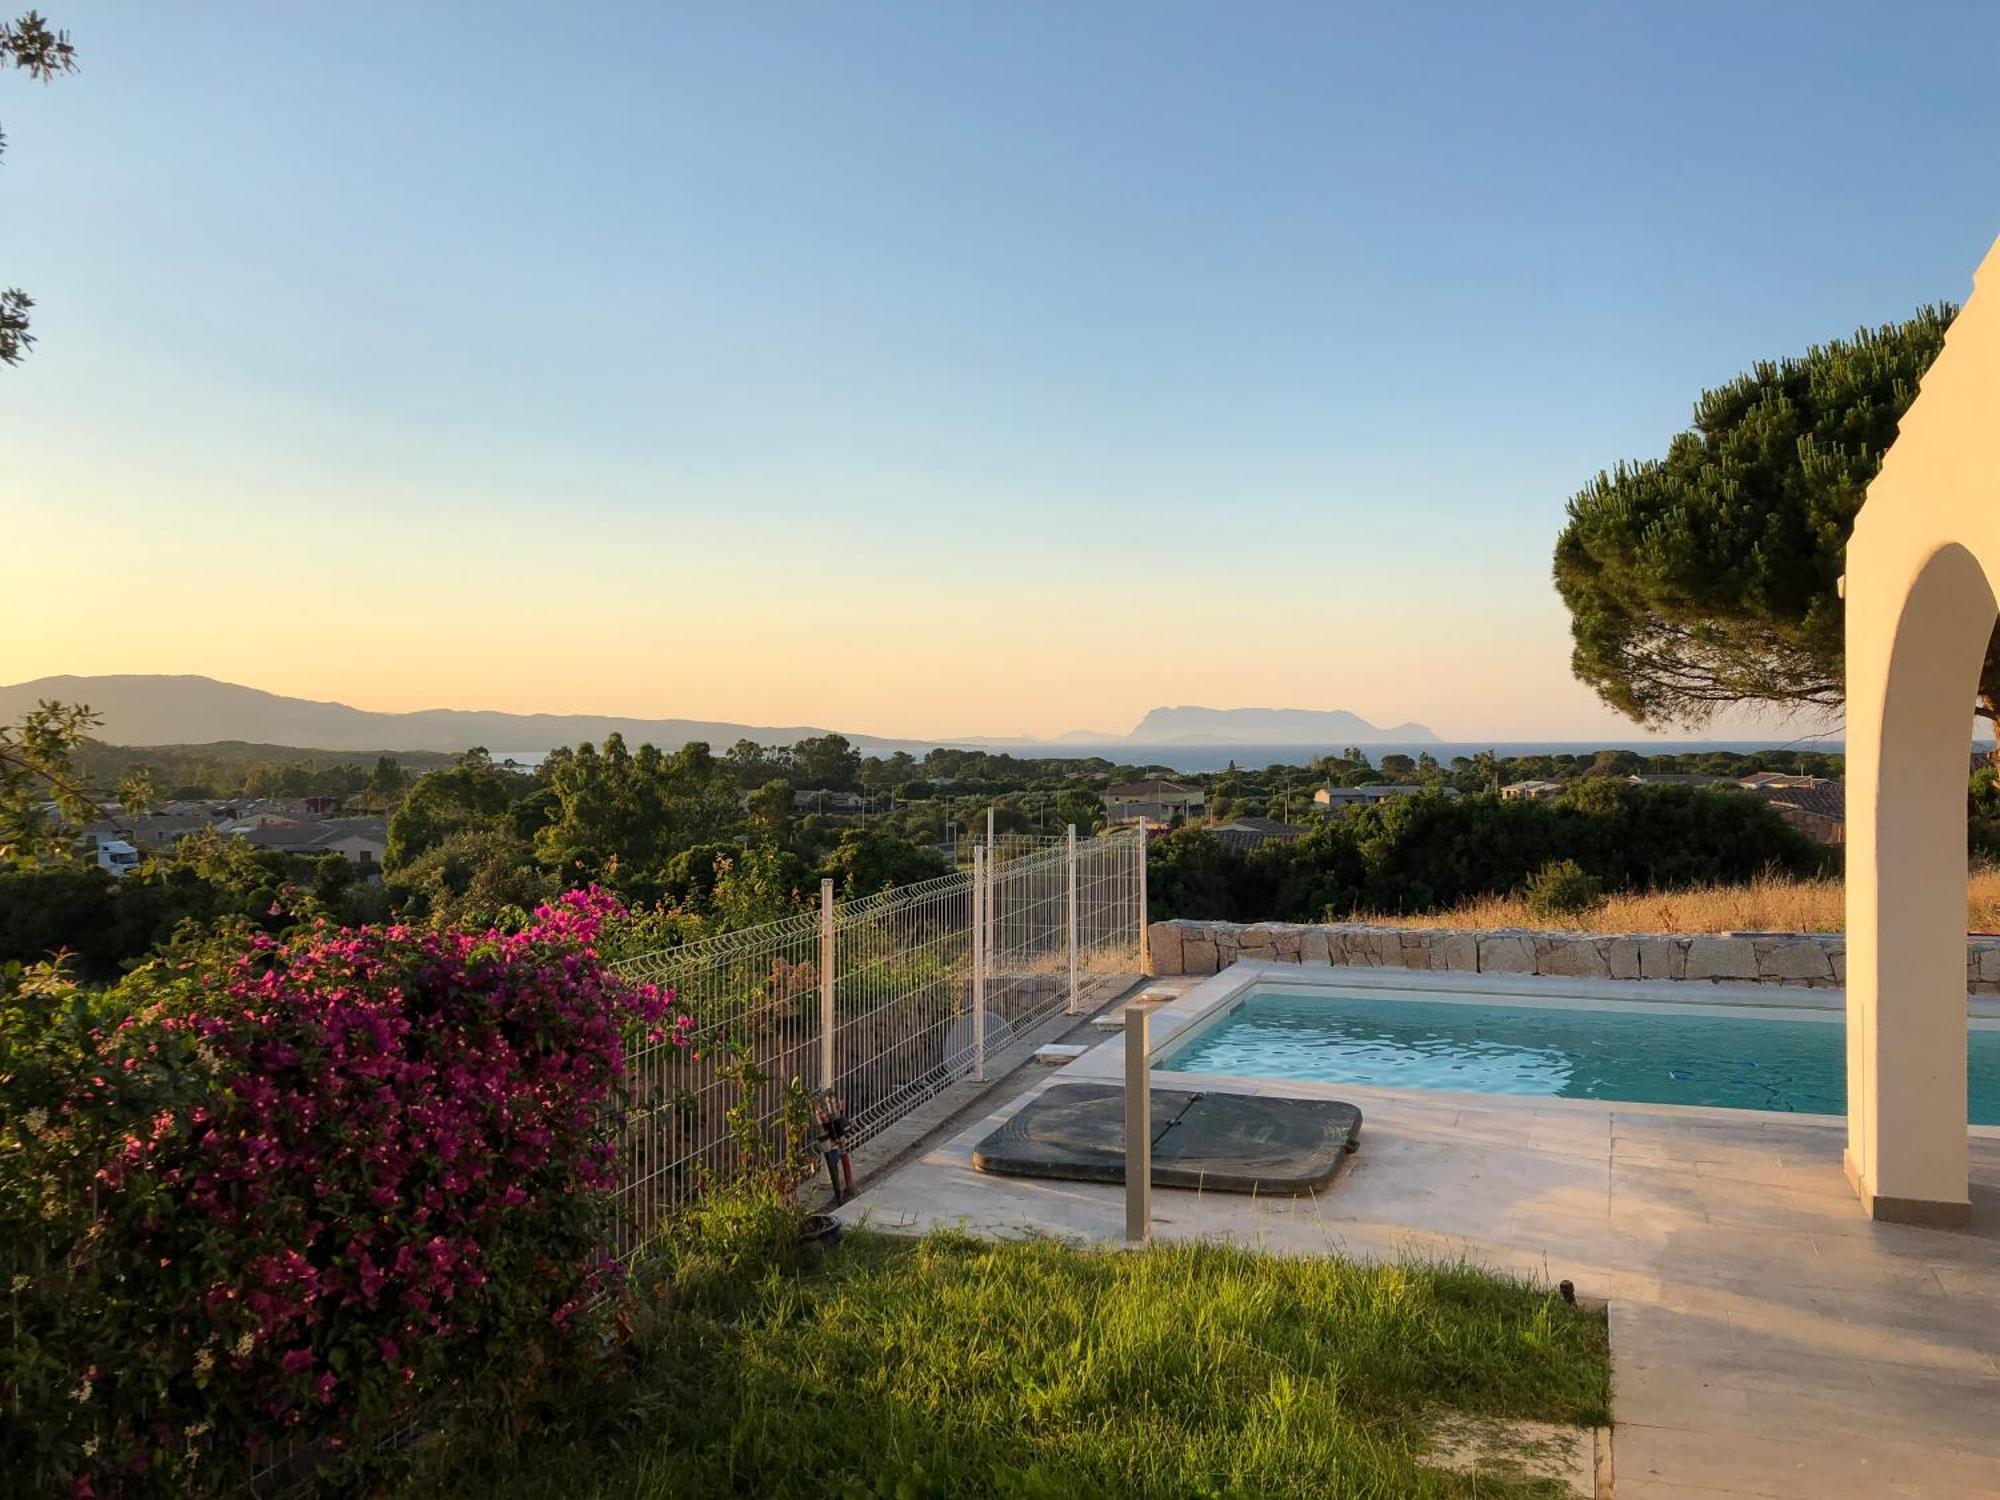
(1910, 699)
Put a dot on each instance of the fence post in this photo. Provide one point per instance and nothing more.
(1138, 1128)
(826, 984)
(1145, 927)
(981, 873)
(1070, 865)
(986, 903)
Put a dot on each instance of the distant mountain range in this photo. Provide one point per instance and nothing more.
(144, 709)
(1335, 728)
(163, 710)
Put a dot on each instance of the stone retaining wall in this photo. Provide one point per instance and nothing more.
(1812, 960)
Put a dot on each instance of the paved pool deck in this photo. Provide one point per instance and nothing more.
(1767, 1338)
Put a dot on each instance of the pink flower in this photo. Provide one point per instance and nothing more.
(382, 1114)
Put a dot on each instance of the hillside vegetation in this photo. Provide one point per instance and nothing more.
(1771, 903)
(1426, 855)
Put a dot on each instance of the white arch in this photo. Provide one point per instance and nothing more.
(1920, 609)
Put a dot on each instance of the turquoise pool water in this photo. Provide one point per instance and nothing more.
(1733, 1058)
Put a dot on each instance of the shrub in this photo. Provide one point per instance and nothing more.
(473, 877)
(867, 861)
(1417, 854)
(285, 1192)
(1192, 873)
(1562, 888)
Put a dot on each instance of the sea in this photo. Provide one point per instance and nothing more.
(1189, 759)
(1219, 756)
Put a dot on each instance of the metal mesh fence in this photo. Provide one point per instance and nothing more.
(698, 1111)
(873, 997)
(959, 853)
(1036, 926)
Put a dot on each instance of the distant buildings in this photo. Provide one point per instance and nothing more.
(1815, 805)
(1154, 802)
(361, 841)
(291, 825)
(1758, 781)
(1367, 796)
(1245, 834)
(826, 800)
(158, 830)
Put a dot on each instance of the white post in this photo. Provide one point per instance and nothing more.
(826, 984)
(979, 913)
(1145, 927)
(986, 904)
(1074, 997)
(1138, 1128)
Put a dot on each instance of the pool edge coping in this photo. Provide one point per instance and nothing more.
(1176, 1022)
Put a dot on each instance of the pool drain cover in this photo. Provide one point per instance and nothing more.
(1227, 1143)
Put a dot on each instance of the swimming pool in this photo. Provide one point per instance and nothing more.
(1732, 1057)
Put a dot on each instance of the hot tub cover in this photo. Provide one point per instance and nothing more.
(1230, 1143)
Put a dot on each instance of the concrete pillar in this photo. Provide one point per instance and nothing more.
(1919, 611)
(1907, 738)
(1138, 1125)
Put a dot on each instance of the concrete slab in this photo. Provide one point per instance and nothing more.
(1767, 1337)
(1055, 1054)
(1225, 1143)
(1562, 1457)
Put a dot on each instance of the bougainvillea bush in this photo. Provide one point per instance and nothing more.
(270, 1196)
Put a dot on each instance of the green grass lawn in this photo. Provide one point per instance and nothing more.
(950, 1366)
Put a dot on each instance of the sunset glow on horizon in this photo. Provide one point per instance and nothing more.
(918, 373)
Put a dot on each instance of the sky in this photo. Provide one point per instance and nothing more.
(920, 370)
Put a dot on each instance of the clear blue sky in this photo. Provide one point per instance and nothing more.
(922, 369)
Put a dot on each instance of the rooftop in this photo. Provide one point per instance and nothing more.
(1139, 790)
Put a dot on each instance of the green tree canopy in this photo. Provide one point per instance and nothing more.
(616, 811)
(1710, 576)
(867, 861)
(36, 774)
(469, 878)
(386, 783)
(770, 806)
(31, 45)
(472, 794)
(826, 761)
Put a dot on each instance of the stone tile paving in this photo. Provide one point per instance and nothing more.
(1767, 1338)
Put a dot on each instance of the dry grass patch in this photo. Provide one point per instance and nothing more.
(1769, 904)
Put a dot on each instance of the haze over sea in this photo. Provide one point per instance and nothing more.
(1189, 759)
(1216, 757)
